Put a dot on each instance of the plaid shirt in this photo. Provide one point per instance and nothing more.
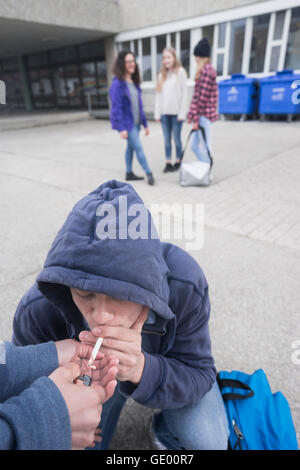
(205, 97)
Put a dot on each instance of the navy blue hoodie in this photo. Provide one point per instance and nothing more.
(179, 368)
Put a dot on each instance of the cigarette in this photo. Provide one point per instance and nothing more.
(95, 352)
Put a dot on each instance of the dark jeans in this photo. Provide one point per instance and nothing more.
(170, 124)
(200, 426)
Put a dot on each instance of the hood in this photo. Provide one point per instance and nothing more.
(108, 244)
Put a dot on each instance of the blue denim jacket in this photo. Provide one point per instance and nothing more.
(121, 115)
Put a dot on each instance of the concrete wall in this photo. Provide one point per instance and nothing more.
(86, 14)
(135, 14)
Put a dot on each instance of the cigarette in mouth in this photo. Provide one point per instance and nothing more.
(95, 352)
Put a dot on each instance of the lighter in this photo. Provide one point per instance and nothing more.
(86, 379)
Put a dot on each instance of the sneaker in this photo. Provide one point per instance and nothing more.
(132, 177)
(168, 168)
(150, 179)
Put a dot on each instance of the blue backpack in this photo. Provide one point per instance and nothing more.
(258, 419)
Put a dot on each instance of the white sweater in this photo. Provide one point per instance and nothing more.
(172, 99)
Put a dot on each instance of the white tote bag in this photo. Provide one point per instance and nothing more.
(196, 173)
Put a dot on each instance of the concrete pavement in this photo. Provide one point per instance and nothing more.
(251, 248)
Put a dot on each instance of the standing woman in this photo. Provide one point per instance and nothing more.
(171, 104)
(203, 109)
(127, 112)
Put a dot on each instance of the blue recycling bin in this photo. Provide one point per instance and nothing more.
(238, 95)
(279, 94)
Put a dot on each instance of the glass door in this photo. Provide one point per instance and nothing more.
(73, 85)
(42, 88)
(67, 86)
(89, 83)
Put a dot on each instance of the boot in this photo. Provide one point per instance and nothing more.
(150, 179)
(132, 177)
(168, 168)
(176, 166)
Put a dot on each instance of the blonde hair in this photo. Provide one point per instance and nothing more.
(163, 70)
(200, 65)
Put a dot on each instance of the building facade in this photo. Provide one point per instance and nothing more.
(59, 58)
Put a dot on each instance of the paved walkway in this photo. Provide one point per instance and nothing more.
(251, 248)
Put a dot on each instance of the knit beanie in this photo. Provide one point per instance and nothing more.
(203, 48)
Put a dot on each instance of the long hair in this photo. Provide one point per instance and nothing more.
(204, 61)
(119, 68)
(164, 70)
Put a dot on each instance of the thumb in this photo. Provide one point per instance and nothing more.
(72, 371)
(100, 392)
(138, 324)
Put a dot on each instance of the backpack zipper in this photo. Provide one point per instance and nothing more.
(240, 436)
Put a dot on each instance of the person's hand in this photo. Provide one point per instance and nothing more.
(84, 405)
(195, 126)
(105, 370)
(123, 343)
(124, 135)
(147, 132)
(189, 121)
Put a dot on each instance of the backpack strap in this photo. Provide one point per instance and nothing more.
(237, 384)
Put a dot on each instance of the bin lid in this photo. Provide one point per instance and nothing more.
(282, 76)
(238, 79)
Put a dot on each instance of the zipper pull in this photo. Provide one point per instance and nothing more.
(237, 430)
(239, 435)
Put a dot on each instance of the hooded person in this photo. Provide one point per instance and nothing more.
(107, 274)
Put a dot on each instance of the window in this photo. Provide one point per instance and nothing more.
(173, 40)
(221, 49)
(92, 50)
(220, 64)
(208, 32)
(259, 42)
(136, 47)
(185, 50)
(146, 62)
(11, 77)
(37, 60)
(275, 48)
(10, 65)
(161, 43)
(279, 23)
(42, 87)
(88, 74)
(236, 46)
(222, 34)
(125, 46)
(292, 59)
(275, 53)
(68, 54)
